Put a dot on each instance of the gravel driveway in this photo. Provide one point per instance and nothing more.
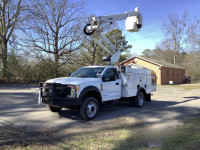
(21, 118)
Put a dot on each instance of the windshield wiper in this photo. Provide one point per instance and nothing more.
(84, 76)
(81, 76)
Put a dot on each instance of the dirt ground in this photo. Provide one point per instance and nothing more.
(23, 122)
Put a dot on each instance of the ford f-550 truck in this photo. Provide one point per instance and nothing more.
(90, 87)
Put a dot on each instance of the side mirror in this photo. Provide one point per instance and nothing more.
(98, 75)
(69, 74)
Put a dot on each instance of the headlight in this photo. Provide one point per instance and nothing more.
(77, 88)
(74, 90)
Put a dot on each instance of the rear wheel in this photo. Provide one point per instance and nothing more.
(138, 100)
(89, 108)
(53, 109)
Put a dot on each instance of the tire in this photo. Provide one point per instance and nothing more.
(53, 109)
(138, 100)
(89, 108)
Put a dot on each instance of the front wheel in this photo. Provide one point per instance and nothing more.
(89, 108)
(53, 109)
(138, 101)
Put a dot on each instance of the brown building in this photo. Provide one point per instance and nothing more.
(165, 72)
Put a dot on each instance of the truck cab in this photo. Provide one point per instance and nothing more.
(102, 83)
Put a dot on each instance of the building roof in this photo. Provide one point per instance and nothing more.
(136, 65)
(156, 62)
(186, 74)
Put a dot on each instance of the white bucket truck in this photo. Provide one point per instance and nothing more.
(91, 86)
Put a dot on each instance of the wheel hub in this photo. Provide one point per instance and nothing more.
(91, 109)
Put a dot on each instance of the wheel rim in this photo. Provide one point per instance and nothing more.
(141, 99)
(91, 109)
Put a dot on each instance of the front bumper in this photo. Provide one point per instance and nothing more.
(53, 96)
(61, 102)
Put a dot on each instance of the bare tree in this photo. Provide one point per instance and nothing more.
(9, 17)
(54, 29)
(191, 63)
(175, 34)
(193, 39)
(90, 53)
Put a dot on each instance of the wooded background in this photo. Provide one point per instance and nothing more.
(40, 40)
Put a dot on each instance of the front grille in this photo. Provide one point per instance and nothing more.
(61, 91)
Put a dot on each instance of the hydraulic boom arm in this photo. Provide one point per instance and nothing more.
(93, 29)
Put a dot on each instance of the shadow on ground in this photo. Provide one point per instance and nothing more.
(37, 132)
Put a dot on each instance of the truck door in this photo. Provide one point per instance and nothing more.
(111, 85)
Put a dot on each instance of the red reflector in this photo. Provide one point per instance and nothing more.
(45, 99)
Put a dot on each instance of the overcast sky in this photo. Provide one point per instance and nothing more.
(154, 12)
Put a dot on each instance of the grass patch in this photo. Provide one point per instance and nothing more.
(129, 137)
(186, 136)
(190, 86)
(132, 136)
(103, 140)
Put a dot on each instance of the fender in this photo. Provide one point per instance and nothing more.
(147, 96)
(90, 89)
(141, 89)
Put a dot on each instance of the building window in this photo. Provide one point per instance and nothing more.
(167, 72)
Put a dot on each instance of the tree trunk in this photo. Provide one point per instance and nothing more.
(56, 69)
(4, 54)
(1, 59)
(175, 48)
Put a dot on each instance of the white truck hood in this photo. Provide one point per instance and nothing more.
(72, 80)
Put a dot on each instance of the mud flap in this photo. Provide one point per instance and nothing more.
(148, 97)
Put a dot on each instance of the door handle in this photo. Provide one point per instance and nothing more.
(117, 83)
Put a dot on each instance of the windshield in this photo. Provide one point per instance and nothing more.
(87, 72)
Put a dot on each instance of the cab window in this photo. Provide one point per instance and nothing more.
(111, 74)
